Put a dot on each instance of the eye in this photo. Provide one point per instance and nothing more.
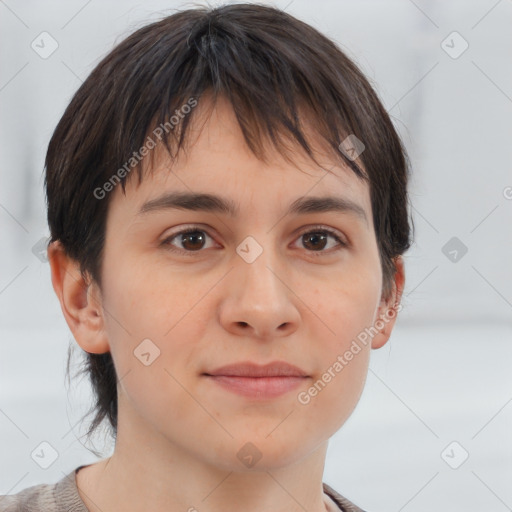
(193, 239)
(315, 240)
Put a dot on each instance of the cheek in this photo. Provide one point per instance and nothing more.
(146, 301)
(149, 325)
(334, 393)
(343, 351)
(344, 313)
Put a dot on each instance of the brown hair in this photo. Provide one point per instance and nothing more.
(267, 64)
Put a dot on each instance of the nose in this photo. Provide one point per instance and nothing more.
(259, 302)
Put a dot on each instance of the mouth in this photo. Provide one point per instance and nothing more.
(258, 381)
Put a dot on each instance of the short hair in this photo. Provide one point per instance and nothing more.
(272, 68)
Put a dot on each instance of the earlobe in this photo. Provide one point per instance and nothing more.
(389, 308)
(80, 301)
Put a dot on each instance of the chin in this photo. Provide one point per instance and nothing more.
(261, 453)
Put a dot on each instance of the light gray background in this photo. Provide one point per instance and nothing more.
(445, 374)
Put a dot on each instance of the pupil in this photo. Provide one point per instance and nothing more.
(189, 237)
(315, 236)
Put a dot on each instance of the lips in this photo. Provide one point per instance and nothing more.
(260, 382)
(248, 369)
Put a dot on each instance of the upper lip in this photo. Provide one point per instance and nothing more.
(248, 369)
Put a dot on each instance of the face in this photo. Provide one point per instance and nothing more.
(258, 285)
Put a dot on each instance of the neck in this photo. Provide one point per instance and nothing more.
(148, 471)
(137, 478)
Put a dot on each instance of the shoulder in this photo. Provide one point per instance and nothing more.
(58, 497)
(343, 503)
(37, 497)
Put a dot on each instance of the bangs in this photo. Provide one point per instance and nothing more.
(275, 94)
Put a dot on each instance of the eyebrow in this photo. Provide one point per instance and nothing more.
(217, 204)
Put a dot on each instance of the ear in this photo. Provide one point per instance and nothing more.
(389, 307)
(80, 301)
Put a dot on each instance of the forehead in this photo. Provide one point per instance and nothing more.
(217, 161)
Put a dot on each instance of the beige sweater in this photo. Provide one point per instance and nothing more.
(63, 497)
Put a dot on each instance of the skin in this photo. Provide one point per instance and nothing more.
(179, 433)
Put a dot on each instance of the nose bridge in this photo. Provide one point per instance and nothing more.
(257, 270)
(260, 300)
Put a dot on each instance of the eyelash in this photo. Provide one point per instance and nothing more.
(314, 229)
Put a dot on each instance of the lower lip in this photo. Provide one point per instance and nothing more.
(258, 387)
